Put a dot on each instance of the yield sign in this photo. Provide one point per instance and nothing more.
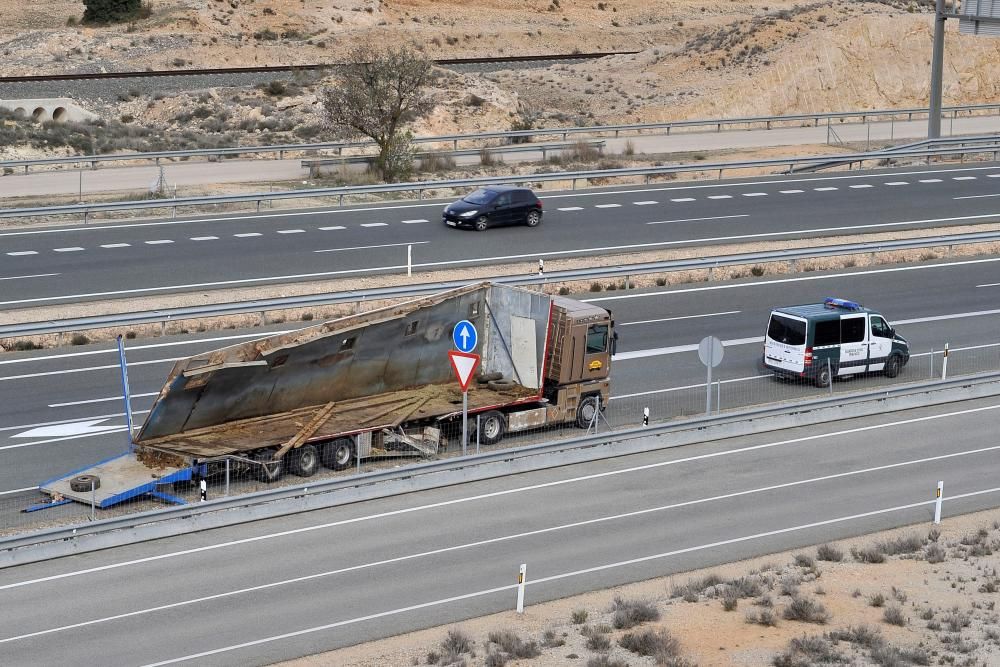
(464, 365)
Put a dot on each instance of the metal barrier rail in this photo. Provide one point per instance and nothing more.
(421, 186)
(508, 135)
(420, 476)
(407, 291)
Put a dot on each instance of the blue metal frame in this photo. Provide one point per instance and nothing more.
(45, 506)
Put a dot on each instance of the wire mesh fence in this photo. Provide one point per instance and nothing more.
(155, 479)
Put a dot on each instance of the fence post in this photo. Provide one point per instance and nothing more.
(931, 374)
(93, 500)
(409, 260)
(227, 477)
(478, 419)
(937, 505)
(520, 587)
(829, 371)
(944, 363)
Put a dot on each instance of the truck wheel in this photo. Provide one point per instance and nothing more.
(823, 378)
(586, 410)
(339, 454)
(482, 223)
(270, 470)
(83, 483)
(303, 461)
(491, 427)
(892, 366)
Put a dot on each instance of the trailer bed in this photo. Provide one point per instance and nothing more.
(121, 478)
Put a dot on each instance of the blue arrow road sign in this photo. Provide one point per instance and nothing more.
(464, 336)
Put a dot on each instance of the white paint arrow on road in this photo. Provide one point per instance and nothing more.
(88, 427)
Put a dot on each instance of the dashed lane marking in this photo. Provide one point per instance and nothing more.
(720, 196)
(21, 253)
(897, 183)
(291, 231)
(754, 194)
(791, 192)
(71, 249)
(374, 224)
(607, 206)
(827, 189)
(204, 238)
(680, 199)
(864, 185)
(413, 222)
(717, 217)
(247, 235)
(117, 245)
(158, 242)
(570, 208)
(645, 203)
(930, 180)
(963, 178)
(330, 229)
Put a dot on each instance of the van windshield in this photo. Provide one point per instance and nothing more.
(786, 330)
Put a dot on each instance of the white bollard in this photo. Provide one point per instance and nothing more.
(409, 261)
(944, 364)
(520, 588)
(203, 487)
(937, 505)
(645, 416)
(541, 268)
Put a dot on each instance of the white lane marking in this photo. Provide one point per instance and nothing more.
(570, 208)
(896, 183)
(963, 178)
(67, 371)
(21, 445)
(754, 194)
(374, 224)
(291, 231)
(607, 205)
(976, 196)
(563, 575)
(22, 253)
(62, 421)
(677, 349)
(992, 175)
(791, 192)
(204, 238)
(27, 488)
(150, 346)
(158, 242)
(381, 245)
(680, 199)
(247, 235)
(720, 196)
(679, 317)
(117, 245)
(33, 275)
(648, 202)
(507, 492)
(930, 180)
(76, 428)
(863, 185)
(330, 229)
(717, 217)
(70, 249)
(826, 189)
(781, 281)
(504, 538)
(687, 387)
(413, 222)
(99, 400)
(479, 260)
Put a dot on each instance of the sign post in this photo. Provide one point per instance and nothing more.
(465, 337)
(710, 352)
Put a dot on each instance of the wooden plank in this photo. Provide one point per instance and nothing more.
(308, 430)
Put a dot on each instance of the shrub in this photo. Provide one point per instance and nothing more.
(487, 158)
(861, 635)
(510, 643)
(745, 587)
(550, 640)
(79, 339)
(877, 600)
(808, 651)
(110, 11)
(828, 552)
(629, 148)
(457, 642)
(266, 35)
(579, 616)
(563, 291)
(933, 534)
(25, 345)
(730, 600)
(595, 287)
(306, 317)
(956, 621)
(757, 271)
(765, 617)
(605, 661)
(868, 555)
(804, 560)
(935, 553)
(630, 613)
(806, 610)
(658, 643)
(907, 544)
(893, 615)
(598, 642)
(495, 659)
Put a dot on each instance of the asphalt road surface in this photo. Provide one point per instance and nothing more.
(62, 408)
(273, 590)
(121, 260)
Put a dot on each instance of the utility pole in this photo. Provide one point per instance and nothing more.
(937, 72)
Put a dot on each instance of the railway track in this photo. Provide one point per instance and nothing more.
(280, 69)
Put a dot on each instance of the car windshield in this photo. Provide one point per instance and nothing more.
(480, 197)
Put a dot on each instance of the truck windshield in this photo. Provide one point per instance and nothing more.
(786, 330)
(597, 338)
(480, 196)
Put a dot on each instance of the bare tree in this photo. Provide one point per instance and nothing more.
(378, 93)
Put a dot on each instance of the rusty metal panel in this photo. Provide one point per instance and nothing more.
(525, 419)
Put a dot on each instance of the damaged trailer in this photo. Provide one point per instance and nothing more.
(375, 384)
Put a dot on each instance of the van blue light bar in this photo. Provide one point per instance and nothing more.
(830, 302)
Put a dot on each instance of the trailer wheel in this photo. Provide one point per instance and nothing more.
(491, 427)
(303, 461)
(84, 482)
(270, 470)
(586, 410)
(339, 454)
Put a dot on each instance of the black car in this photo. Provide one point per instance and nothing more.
(493, 206)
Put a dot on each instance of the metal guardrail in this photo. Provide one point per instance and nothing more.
(421, 186)
(990, 141)
(406, 291)
(418, 475)
(509, 136)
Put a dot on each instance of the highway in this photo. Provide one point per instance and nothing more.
(51, 266)
(274, 590)
(62, 407)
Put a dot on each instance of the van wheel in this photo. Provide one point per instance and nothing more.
(269, 469)
(892, 366)
(586, 411)
(303, 461)
(491, 427)
(823, 377)
(481, 223)
(534, 217)
(339, 454)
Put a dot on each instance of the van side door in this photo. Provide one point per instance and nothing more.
(880, 344)
(853, 344)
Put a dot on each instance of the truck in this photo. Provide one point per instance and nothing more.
(373, 384)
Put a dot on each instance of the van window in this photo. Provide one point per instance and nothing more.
(786, 330)
(597, 338)
(881, 328)
(852, 329)
(827, 333)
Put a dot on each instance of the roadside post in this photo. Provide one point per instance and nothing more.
(944, 363)
(125, 391)
(464, 363)
(645, 416)
(710, 352)
(520, 587)
(203, 489)
(939, 495)
(409, 260)
(541, 268)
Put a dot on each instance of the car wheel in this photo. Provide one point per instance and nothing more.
(491, 427)
(534, 217)
(586, 411)
(303, 461)
(892, 366)
(339, 454)
(481, 223)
